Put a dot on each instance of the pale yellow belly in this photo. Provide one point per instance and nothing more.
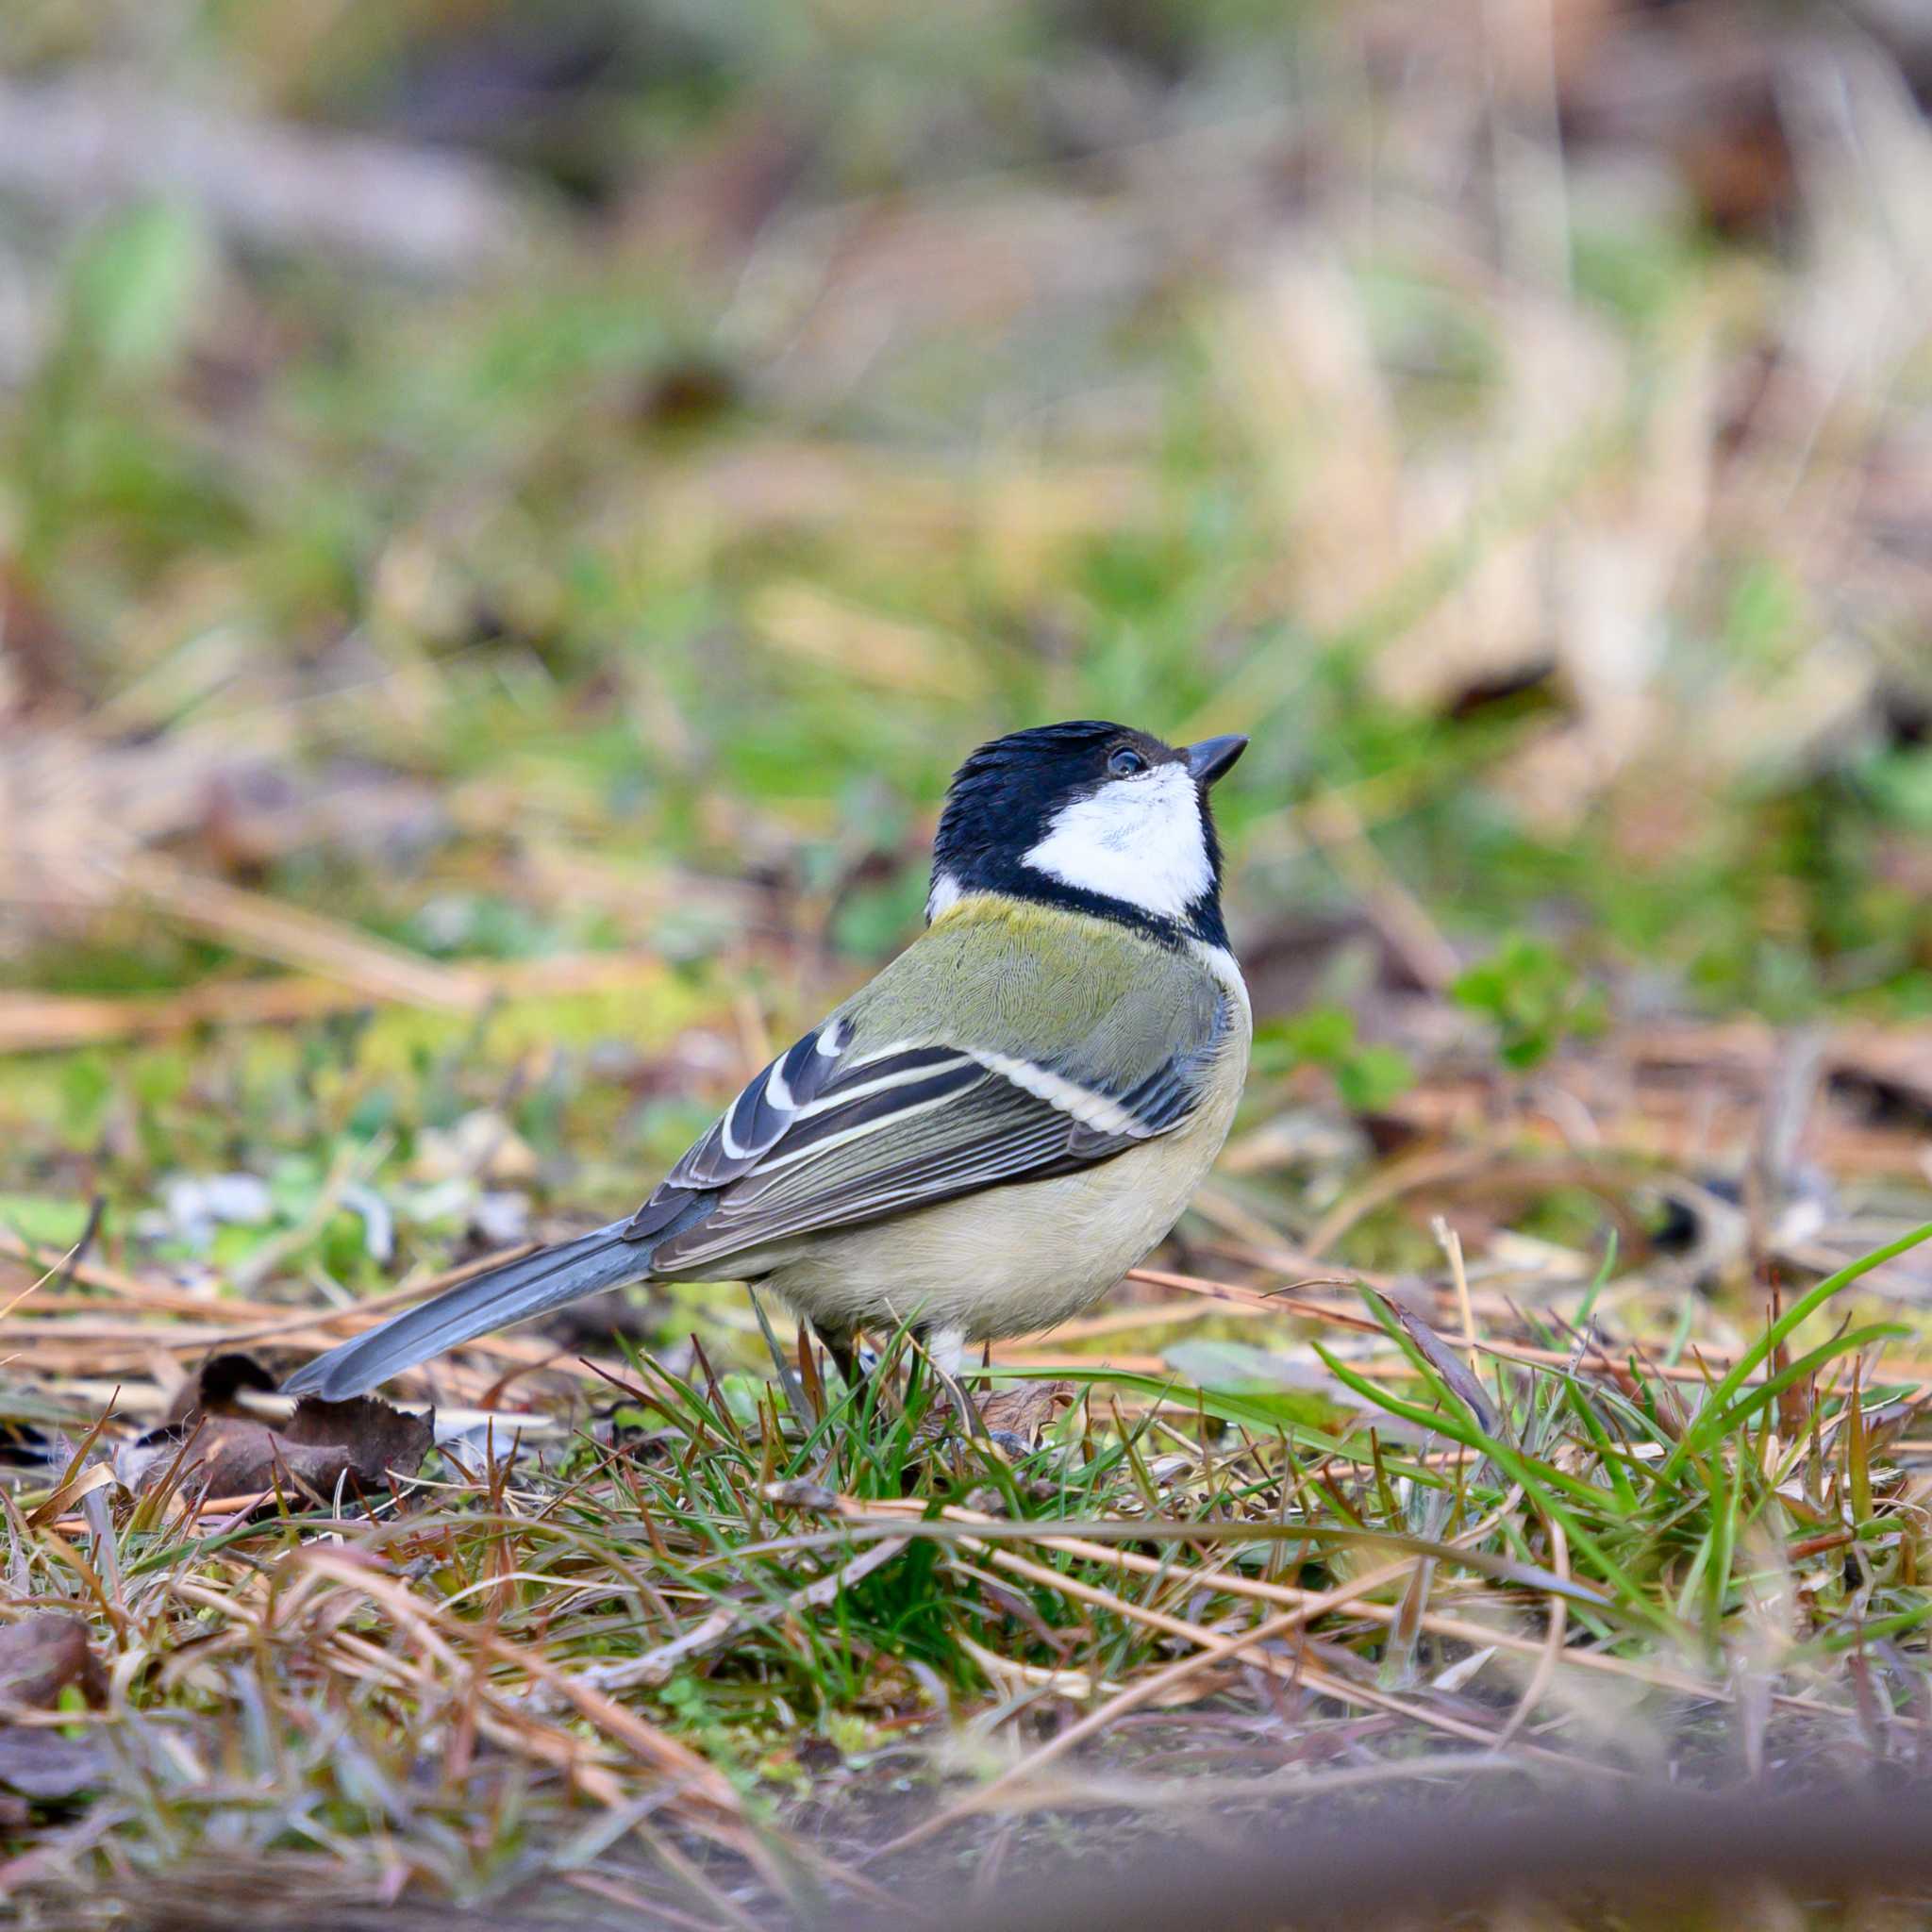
(1015, 1257)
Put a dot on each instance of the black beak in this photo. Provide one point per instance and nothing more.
(1213, 757)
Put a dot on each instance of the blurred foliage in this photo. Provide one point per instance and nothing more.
(1534, 999)
(1367, 1074)
(871, 383)
(508, 534)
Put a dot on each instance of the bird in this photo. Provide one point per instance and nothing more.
(982, 1139)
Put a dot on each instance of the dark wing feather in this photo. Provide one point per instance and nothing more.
(757, 1120)
(906, 1128)
(791, 1103)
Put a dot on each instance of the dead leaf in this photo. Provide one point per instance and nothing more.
(1017, 1415)
(364, 1441)
(43, 1764)
(41, 1656)
(1027, 1410)
(84, 1482)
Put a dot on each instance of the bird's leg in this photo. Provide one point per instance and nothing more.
(945, 1349)
(843, 1350)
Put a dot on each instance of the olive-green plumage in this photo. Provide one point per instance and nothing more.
(1095, 999)
(1092, 1002)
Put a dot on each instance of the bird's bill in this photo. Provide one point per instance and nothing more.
(1213, 757)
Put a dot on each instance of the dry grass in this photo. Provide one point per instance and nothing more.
(776, 1646)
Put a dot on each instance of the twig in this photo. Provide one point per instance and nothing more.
(270, 929)
(32, 1022)
(656, 1666)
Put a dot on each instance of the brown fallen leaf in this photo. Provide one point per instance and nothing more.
(43, 1764)
(1014, 1418)
(41, 1656)
(1027, 1410)
(226, 1451)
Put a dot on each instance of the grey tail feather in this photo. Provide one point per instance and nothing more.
(513, 1293)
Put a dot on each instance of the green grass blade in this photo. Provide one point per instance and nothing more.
(1708, 1423)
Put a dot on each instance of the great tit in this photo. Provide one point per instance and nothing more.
(984, 1139)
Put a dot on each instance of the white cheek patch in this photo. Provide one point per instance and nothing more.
(1137, 839)
(945, 896)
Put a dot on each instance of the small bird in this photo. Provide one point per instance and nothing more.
(985, 1138)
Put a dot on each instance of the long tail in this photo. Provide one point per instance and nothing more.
(513, 1293)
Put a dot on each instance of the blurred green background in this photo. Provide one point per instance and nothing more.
(488, 491)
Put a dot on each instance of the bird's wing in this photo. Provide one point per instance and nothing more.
(829, 1134)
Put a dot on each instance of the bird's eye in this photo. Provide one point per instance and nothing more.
(1126, 764)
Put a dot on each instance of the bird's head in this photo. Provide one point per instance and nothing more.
(1095, 816)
